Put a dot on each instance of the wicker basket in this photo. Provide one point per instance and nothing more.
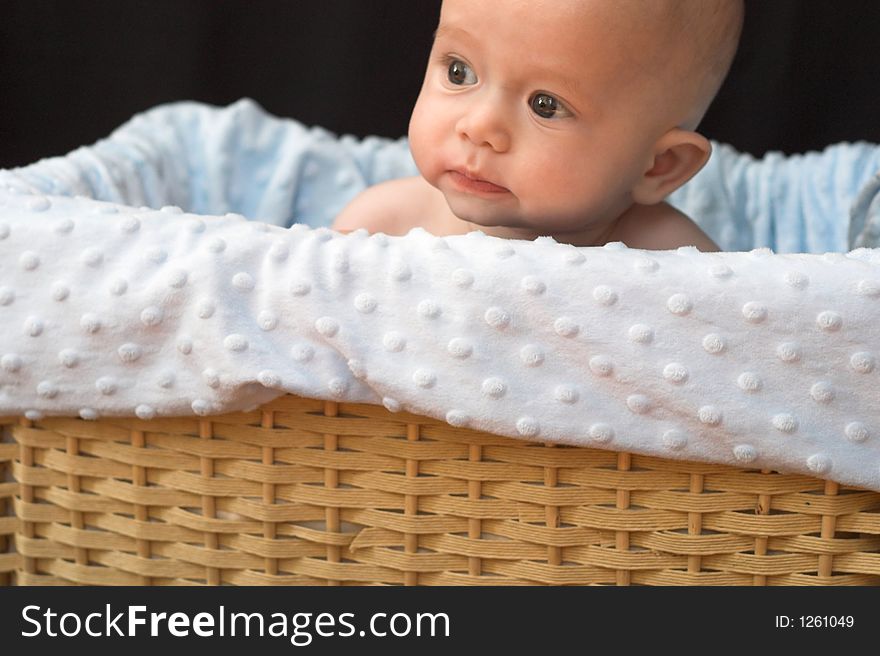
(311, 492)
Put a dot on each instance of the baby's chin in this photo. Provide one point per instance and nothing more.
(499, 220)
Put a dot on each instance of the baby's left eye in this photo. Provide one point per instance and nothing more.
(546, 106)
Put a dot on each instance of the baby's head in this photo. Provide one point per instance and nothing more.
(551, 116)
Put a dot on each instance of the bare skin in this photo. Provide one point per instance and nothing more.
(398, 206)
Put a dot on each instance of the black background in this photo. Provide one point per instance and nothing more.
(72, 70)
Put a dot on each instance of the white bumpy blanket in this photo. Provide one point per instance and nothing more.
(106, 309)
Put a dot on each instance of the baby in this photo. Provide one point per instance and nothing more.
(567, 118)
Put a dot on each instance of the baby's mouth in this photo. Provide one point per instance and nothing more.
(472, 182)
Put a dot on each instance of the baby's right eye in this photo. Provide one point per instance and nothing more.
(460, 73)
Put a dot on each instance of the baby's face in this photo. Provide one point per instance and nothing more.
(533, 114)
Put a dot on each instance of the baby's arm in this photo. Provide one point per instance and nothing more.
(385, 207)
(660, 227)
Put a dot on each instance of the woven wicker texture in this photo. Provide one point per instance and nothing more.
(311, 492)
(9, 561)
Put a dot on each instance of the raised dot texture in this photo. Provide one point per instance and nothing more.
(601, 433)
(675, 373)
(604, 295)
(720, 271)
(641, 333)
(243, 281)
(92, 257)
(201, 407)
(462, 278)
(39, 204)
(217, 245)
(710, 415)
(531, 355)
(459, 347)
(268, 378)
(395, 342)
(60, 291)
(674, 440)
(118, 287)
(638, 403)
(428, 309)
(129, 352)
(33, 326)
(365, 303)
(400, 271)
(869, 288)
(862, 362)
(503, 252)
(497, 318)
(392, 405)
(829, 321)
(796, 279)
(527, 426)
(754, 312)
(533, 285)
(33, 415)
(745, 453)
(156, 255)
(267, 320)
(11, 362)
(646, 265)
(205, 308)
(211, 378)
(177, 279)
(819, 463)
(424, 378)
(566, 327)
(494, 388)
(147, 412)
(784, 422)
(7, 296)
(185, 346)
(749, 381)
(279, 251)
(822, 392)
(64, 226)
(106, 385)
(68, 357)
(679, 304)
(89, 414)
(302, 353)
(90, 323)
(152, 316)
(788, 352)
(339, 262)
(47, 389)
(574, 257)
(714, 344)
(566, 394)
(300, 288)
(130, 224)
(457, 418)
(29, 261)
(856, 431)
(601, 365)
(235, 342)
(337, 386)
(327, 326)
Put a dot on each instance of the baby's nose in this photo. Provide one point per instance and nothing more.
(484, 124)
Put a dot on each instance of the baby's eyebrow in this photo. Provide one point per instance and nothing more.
(450, 30)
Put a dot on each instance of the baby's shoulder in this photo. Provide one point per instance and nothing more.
(391, 207)
(659, 227)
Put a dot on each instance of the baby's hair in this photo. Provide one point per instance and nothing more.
(717, 26)
(695, 44)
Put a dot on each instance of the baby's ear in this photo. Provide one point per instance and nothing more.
(677, 156)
